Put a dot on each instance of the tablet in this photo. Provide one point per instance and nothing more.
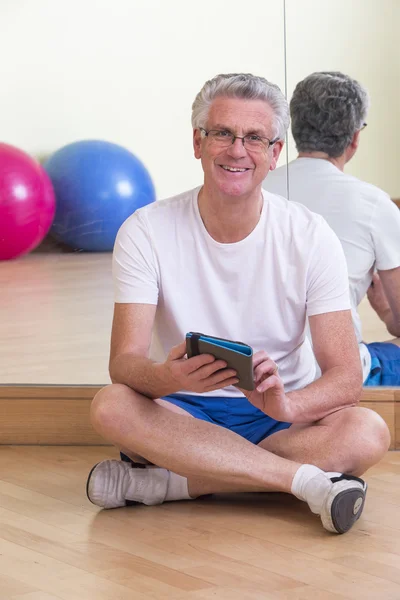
(237, 355)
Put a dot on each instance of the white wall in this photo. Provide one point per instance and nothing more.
(360, 38)
(127, 71)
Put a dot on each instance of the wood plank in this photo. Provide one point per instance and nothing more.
(397, 418)
(51, 392)
(10, 587)
(378, 394)
(55, 544)
(35, 596)
(47, 415)
(59, 414)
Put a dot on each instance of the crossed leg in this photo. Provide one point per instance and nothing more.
(214, 459)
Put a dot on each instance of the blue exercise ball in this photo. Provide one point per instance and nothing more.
(98, 185)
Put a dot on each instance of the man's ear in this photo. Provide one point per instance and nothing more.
(197, 143)
(276, 150)
(356, 140)
(352, 147)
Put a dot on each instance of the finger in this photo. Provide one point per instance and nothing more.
(210, 369)
(271, 382)
(196, 362)
(265, 369)
(222, 384)
(219, 377)
(259, 357)
(178, 351)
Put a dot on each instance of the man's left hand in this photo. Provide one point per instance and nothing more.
(269, 394)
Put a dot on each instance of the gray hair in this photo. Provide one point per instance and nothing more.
(327, 108)
(248, 87)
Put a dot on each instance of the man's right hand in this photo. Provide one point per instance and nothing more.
(202, 373)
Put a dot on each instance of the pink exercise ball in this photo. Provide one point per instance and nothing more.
(27, 202)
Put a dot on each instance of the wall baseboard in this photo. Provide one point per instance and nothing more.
(59, 414)
(47, 415)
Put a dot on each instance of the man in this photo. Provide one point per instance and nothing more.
(228, 260)
(328, 112)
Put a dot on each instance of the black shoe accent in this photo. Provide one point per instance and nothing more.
(346, 477)
(87, 482)
(135, 465)
(125, 458)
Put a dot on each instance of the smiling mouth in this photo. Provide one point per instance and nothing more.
(234, 169)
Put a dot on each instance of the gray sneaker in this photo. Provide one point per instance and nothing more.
(115, 483)
(344, 503)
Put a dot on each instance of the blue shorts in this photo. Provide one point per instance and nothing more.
(385, 364)
(236, 414)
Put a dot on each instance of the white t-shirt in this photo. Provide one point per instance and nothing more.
(258, 290)
(363, 217)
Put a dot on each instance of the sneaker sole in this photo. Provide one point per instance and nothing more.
(346, 508)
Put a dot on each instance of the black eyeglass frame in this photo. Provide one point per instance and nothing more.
(240, 137)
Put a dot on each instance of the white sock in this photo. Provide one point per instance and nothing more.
(177, 488)
(311, 485)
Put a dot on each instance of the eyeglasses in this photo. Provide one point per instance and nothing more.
(225, 138)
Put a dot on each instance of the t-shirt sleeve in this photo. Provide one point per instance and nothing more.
(134, 269)
(385, 231)
(327, 281)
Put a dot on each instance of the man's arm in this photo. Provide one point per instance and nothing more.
(340, 385)
(336, 350)
(384, 297)
(129, 363)
(130, 344)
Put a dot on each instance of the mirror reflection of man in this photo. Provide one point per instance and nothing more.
(230, 260)
(328, 113)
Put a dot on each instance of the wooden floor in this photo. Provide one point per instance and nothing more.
(54, 544)
(55, 318)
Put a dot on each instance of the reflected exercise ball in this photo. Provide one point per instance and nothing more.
(27, 203)
(98, 185)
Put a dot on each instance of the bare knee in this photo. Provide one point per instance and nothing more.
(369, 435)
(107, 406)
(374, 427)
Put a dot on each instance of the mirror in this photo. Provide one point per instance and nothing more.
(125, 72)
(360, 39)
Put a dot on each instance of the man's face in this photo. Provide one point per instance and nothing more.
(234, 170)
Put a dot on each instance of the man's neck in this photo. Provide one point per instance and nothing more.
(339, 162)
(229, 219)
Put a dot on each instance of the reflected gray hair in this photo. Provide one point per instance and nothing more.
(247, 87)
(327, 108)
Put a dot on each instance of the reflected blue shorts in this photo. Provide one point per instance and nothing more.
(236, 414)
(385, 364)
